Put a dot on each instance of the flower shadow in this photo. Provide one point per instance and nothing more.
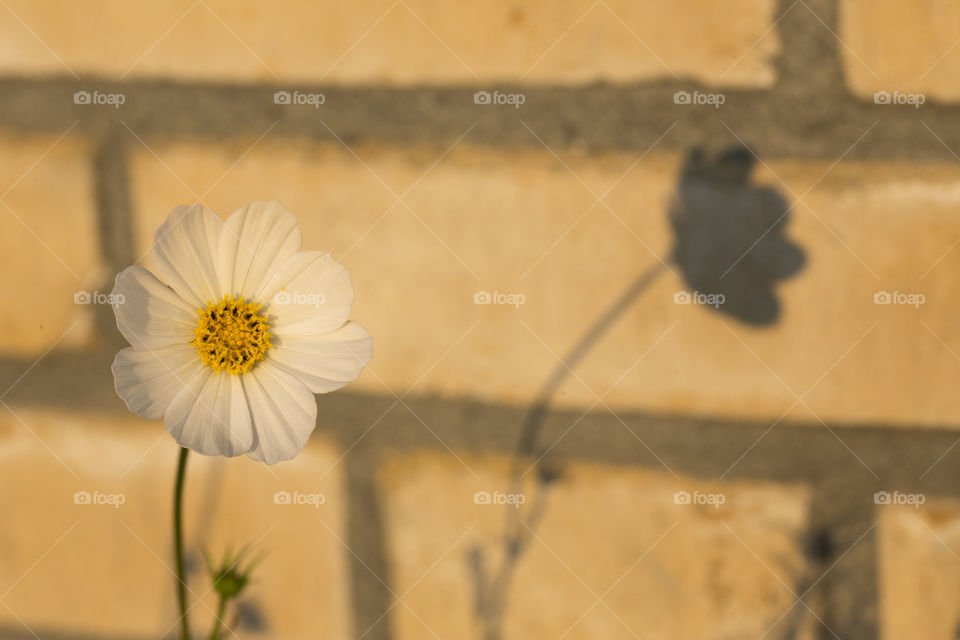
(730, 235)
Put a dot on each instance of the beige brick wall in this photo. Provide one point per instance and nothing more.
(49, 248)
(377, 41)
(901, 46)
(389, 555)
(656, 554)
(104, 569)
(478, 225)
(919, 570)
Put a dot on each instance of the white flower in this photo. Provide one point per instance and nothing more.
(234, 331)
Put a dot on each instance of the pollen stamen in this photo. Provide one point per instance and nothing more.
(231, 335)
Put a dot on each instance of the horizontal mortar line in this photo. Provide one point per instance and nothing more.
(697, 446)
(64, 362)
(594, 117)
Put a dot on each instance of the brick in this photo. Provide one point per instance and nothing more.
(101, 570)
(662, 570)
(48, 244)
(414, 274)
(377, 41)
(901, 46)
(919, 570)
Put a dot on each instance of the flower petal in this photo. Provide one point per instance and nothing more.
(310, 295)
(186, 254)
(151, 315)
(210, 415)
(257, 240)
(148, 380)
(324, 362)
(283, 409)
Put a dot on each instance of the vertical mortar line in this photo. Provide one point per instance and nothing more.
(844, 552)
(112, 199)
(367, 539)
(810, 68)
(810, 58)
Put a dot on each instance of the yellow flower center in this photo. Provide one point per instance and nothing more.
(231, 335)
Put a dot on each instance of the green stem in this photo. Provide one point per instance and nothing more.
(178, 541)
(221, 609)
